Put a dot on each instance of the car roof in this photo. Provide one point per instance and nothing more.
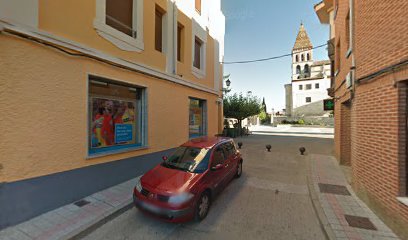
(205, 142)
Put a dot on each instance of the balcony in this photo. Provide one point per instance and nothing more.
(331, 48)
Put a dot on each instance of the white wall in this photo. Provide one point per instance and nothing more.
(299, 96)
(211, 17)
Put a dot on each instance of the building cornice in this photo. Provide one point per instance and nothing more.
(48, 38)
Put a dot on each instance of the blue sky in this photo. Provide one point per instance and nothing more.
(265, 28)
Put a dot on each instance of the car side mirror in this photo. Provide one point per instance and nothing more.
(164, 158)
(216, 167)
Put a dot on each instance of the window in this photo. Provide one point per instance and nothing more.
(308, 86)
(116, 116)
(198, 6)
(180, 42)
(229, 149)
(119, 15)
(189, 158)
(308, 99)
(303, 58)
(297, 58)
(198, 44)
(121, 23)
(198, 50)
(300, 87)
(306, 68)
(197, 118)
(317, 86)
(218, 156)
(297, 69)
(338, 50)
(348, 30)
(308, 57)
(159, 30)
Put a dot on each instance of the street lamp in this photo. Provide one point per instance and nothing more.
(227, 89)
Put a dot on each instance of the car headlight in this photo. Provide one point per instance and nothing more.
(138, 184)
(181, 198)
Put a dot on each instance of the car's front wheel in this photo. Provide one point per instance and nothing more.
(203, 206)
(239, 170)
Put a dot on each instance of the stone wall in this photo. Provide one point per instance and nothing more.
(315, 120)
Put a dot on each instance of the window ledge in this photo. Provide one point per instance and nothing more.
(349, 51)
(198, 72)
(403, 200)
(107, 153)
(118, 38)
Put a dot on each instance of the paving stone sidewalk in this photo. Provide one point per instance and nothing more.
(345, 215)
(70, 220)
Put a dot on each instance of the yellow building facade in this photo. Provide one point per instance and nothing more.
(94, 92)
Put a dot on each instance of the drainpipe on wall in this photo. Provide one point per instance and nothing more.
(353, 62)
(174, 37)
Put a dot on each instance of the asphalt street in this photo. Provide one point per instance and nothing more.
(270, 201)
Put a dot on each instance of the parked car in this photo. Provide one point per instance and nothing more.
(182, 187)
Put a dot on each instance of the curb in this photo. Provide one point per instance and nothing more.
(88, 228)
(324, 223)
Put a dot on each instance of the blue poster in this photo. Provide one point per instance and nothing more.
(123, 133)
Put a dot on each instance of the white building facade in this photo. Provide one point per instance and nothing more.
(310, 80)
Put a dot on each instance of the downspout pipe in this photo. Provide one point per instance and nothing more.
(353, 61)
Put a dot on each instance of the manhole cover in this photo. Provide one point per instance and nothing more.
(333, 189)
(360, 222)
(81, 203)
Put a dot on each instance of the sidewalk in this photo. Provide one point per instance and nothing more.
(344, 215)
(287, 130)
(73, 219)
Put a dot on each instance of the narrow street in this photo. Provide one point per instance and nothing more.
(270, 201)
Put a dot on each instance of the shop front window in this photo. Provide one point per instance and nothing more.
(115, 117)
(197, 118)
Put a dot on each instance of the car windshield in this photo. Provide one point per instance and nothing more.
(190, 159)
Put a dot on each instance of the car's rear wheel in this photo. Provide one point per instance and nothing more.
(239, 170)
(203, 206)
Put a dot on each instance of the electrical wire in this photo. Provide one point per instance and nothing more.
(269, 58)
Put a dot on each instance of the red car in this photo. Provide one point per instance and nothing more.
(182, 187)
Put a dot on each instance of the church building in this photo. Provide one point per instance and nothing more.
(310, 80)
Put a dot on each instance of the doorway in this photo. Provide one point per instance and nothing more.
(345, 134)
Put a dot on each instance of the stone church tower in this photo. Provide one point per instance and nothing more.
(309, 82)
(302, 55)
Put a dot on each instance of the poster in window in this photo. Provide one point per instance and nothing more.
(113, 122)
(195, 117)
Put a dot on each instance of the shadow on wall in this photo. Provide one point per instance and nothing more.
(23, 200)
(311, 109)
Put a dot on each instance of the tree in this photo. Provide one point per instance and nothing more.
(263, 105)
(264, 117)
(240, 107)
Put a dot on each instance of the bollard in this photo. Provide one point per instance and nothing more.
(268, 147)
(302, 150)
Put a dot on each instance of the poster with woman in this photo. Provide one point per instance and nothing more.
(113, 122)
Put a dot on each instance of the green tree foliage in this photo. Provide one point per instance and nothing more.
(264, 117)
(240, 107)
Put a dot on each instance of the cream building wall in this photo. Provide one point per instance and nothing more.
(48, 52)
